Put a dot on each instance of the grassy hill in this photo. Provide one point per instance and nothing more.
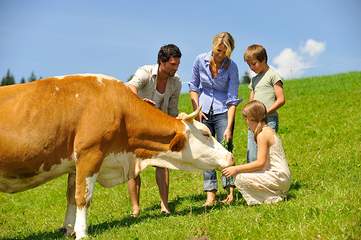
(320, 126)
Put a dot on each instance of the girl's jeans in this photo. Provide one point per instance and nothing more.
(272, 121)
(217, 124)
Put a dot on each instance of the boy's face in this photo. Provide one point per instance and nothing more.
(256, 66)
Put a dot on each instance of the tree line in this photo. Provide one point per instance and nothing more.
(9, 78)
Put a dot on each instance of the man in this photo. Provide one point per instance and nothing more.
(159, 86)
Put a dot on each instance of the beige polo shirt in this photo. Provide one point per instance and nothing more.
(145, 81)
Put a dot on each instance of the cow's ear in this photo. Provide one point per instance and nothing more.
(177, 142)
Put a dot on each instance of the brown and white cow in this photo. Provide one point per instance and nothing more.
(93, 128)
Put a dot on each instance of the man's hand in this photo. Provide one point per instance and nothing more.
(151, 102)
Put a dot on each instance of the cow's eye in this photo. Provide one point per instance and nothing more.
(206, 134)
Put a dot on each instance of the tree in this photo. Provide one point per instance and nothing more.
(246, 78)
(130, 77)
(8, 79)
(32, 77)
(22, 80)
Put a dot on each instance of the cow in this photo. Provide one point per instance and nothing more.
(93, 128)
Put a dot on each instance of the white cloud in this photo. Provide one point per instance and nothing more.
(313, 47)
(290, 64)
(293, 64)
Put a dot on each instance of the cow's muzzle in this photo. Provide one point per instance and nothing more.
(229, 160)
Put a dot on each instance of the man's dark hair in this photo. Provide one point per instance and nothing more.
(168, 51)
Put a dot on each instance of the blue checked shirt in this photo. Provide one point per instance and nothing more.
(219, 92)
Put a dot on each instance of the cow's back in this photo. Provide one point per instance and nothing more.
(39, 121)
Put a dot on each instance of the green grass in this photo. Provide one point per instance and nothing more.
(320, 126)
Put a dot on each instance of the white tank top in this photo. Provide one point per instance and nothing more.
(158, 98)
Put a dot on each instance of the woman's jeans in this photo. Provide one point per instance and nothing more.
(272, 121)
(217, 124)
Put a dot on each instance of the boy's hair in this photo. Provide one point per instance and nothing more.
(255, 51)
(168, 51)
(226, 39)
(255, 111)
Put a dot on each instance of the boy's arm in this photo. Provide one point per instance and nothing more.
(280, 97)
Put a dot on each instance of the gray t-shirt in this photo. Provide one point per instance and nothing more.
(262, 86)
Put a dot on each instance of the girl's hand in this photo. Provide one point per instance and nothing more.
(230, 171)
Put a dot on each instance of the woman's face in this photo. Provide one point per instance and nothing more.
(219, 53)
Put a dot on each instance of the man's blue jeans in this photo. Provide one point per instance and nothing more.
(272, 121)
(217, 124)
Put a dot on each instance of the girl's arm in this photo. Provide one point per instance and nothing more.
(280, 98)
(263, 144)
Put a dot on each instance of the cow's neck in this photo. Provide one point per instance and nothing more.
(149, 130)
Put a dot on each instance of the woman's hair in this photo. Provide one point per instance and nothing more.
(226, 39)
(255, 111)
(255, 51)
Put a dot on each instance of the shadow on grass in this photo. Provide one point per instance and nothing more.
(195, 208)
(147, 214)
(41, 235)
(295, 186)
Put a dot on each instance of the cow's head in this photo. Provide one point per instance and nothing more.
(191, 149)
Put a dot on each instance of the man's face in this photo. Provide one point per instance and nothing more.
(170, 68)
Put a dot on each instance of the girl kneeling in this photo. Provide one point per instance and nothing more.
(267, 179)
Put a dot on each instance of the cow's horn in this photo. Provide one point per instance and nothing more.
(191, 116)
(195, 113)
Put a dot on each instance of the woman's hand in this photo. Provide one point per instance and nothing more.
(201, 116)
(227, 135)
(230, 171)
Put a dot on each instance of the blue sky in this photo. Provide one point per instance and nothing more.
(303, 38)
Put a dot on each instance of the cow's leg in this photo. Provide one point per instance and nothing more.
(69, 220)
(87, 167)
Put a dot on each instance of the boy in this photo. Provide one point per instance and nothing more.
(267, 87)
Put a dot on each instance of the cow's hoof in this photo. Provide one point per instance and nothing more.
(67, 231)
(62, 230)
(82, 237)
(165, 212)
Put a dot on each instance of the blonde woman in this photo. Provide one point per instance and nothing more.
(214, 86)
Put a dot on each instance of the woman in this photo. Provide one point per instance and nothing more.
(214, 86)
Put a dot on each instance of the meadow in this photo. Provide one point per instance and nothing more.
(320, 127)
